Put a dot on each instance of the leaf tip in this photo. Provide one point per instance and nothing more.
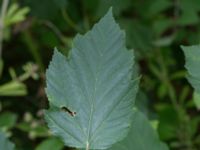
(109, 14)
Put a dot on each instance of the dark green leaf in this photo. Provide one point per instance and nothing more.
(50, 144)
(7, 120)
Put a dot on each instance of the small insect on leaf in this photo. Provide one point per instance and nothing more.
(65, 109)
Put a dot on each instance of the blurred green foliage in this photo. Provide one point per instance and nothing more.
(154, 29)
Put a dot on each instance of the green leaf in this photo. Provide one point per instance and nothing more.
(5, 144)
(7, 120)
(168, 121)
(50, 144)
(141, 103)
(190, 10)
(1, 67)
(41, 11)
(141, 136)
(196, 98)
(139, 37)
(60, 3)
(157, 6)
(192, 54)
(188, 18)
(92, 92)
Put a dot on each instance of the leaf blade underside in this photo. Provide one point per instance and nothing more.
(95, 84)
(5, 144)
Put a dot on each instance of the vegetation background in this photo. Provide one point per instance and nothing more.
(155, 29)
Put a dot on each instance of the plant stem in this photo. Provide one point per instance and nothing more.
(70, 21)
(176, 14)
(33, 48)
(85, 17)
(3, 12)
(166, 80)
(184, 135)
(55, 30)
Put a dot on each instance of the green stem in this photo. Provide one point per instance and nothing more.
(55, 30)
(85, 17)
(184, 135)
(166, 80)
(70, 21)
(3, 13)
(33, 48)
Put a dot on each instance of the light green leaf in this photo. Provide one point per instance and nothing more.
(5, 144)
(92, 92)
(192, 54)
(15, 14)
(13, 88)
(141, 136)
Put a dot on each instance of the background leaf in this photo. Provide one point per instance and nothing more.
(196, 98)
(7, 120)
(141, 136)
(50, 144)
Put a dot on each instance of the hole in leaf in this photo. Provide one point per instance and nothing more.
(65, 109)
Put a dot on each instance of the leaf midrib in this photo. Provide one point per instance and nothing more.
(92, 101)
